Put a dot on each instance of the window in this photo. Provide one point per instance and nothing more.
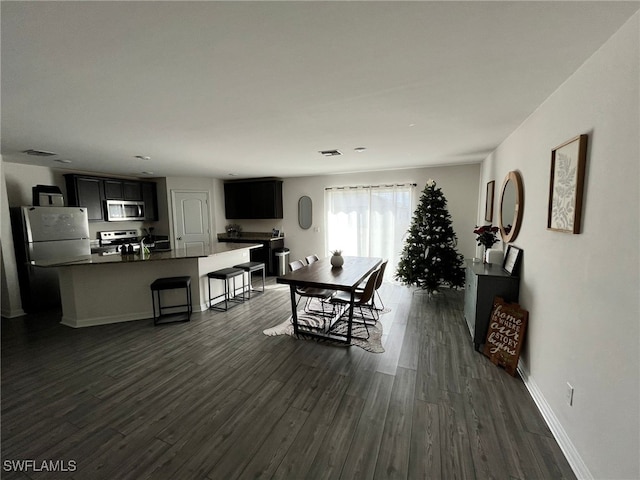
(369, 221)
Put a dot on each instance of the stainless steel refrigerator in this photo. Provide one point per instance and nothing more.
(49, 234)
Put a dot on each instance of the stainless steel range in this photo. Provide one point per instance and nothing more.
(112, 242)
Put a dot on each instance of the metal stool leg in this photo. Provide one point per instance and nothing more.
(226, 294)
(211, 304)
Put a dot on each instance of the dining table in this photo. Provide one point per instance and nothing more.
(321, 274)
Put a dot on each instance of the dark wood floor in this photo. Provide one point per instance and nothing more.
(217, 399)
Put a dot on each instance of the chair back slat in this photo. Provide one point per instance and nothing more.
(381, 275)
(296, 265)
(311, 259)
(370, 287)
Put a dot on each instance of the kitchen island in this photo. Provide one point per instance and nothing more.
(101, 289)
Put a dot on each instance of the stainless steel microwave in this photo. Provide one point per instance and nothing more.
(122, 210)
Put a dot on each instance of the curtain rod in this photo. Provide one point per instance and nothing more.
(372, 186)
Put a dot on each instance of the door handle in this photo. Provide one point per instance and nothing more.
(179, 238)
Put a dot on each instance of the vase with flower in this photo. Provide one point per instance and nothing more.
(486, 236)
(233, 230)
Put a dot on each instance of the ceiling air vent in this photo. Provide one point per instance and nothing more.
(39, 153)
(330, 153)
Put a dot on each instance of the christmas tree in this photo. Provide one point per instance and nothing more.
(429, 257)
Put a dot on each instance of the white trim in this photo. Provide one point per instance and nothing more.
(92, 322)
(570, 452)
(13, 312)
(203, 307)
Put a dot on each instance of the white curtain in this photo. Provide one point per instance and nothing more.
(369, 221)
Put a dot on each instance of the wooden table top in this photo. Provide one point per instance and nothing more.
(321, 274)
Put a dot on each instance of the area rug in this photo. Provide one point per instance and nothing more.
(372, 344)
(316, 305)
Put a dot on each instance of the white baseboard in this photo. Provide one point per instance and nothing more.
(570, 452)
(13, 313)
(92, 322)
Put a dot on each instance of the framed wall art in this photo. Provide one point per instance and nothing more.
(568, 163)
(488, 205)
(512, 258)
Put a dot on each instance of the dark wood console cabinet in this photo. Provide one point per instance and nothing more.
(483, 282)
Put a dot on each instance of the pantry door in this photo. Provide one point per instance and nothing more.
(191, 221)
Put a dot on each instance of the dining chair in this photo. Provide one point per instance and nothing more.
(361, 299)
(379, 281)
(310, 293)
(295, 265)
(311, 259)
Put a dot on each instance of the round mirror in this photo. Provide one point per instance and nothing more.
(511, 205)
(304, 212)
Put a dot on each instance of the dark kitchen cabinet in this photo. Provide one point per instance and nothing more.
(267, 200)
(132, 190)
(122, 190)
(86, 192)
(266, 254)
(251, 199)
(483, 282)
(150, 198)
(236, 200)
(113, 190)
(91, 192)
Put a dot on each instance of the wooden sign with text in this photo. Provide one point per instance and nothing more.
(505, 336)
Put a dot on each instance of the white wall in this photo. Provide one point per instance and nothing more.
(10, 291)
(459, 185)
(21, 178)
(582, 291)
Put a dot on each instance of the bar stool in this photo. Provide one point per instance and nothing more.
(225, 274)
(170, 283)
(250, 267)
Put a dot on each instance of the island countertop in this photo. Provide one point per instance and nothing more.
(249, 237)
(99, 259)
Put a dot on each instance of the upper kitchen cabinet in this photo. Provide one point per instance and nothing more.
(252, 199)
(113, 190)
(86, 192)
(150, 198)
(122, 190)
(91, 192)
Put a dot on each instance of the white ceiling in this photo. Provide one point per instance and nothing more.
(258, 88)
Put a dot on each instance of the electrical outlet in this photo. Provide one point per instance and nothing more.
(569, 394)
